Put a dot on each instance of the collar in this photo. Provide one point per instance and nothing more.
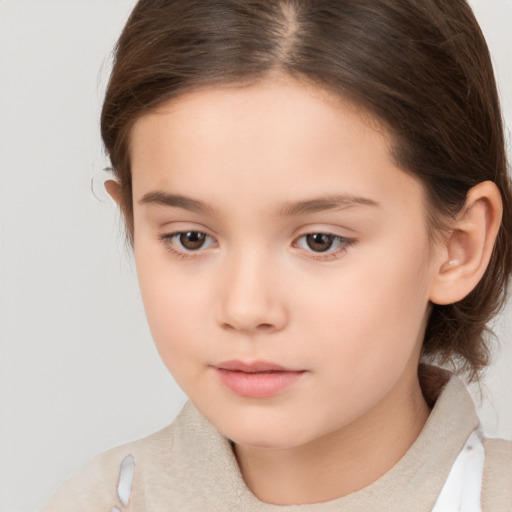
(414, 483)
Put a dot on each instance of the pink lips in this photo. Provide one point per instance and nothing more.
(256, 380)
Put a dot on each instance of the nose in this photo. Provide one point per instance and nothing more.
(251, 299)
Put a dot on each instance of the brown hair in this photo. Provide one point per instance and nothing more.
(421, 67)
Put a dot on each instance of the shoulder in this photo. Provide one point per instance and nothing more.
(497, 480)
(109, 481)
(94, 486)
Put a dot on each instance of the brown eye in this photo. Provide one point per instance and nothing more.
(320, 242)
(192, 240)
(324, 246)
(187, 243)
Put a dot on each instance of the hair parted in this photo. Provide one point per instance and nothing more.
(421, 67)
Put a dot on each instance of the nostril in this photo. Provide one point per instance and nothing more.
(265, 327)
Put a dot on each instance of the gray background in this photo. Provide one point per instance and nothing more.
(78, 370)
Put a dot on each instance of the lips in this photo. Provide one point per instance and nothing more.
(259, 379)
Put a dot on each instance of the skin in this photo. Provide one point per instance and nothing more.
(351, 318)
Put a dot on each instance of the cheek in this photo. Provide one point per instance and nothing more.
(175, 307)
(371, 316)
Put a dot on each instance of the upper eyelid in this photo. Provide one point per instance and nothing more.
(172, 234)
(330, 231)
(176, 227)
(169, 231)
(327, 232)
(327, 228)
(303, 229)
(347, 240)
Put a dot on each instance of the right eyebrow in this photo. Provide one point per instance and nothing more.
(158, 197)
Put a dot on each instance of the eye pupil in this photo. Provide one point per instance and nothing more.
(319, 242)
(192, 240)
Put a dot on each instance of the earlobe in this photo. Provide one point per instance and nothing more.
(467, 250)
(113, 189)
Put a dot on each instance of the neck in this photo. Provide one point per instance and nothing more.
(343, 461)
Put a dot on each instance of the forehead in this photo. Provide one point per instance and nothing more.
(282, 137)
(276, 89)
(282, 103)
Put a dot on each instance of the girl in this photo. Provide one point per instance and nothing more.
(317, 197)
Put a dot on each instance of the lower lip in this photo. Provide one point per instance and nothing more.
(258, 384)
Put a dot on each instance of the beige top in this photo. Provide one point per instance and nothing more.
(189, 466)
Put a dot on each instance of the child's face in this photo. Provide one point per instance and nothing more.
(249, 173)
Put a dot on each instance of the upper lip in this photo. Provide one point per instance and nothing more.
(252, 367)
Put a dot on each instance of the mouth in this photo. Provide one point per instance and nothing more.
(258, 379)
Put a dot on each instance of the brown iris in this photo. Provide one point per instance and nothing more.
(319, 242)
(192, 240)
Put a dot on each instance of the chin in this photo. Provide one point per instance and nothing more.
(265, 434)
(265, 442)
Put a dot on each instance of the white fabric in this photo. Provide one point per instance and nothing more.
(126, 474)
(463, 487)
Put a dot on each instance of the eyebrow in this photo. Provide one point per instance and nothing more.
(334, 202)
(175, 200)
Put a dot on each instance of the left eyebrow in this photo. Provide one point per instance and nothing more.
(336, 202)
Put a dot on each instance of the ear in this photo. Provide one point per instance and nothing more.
(464, 255)
(114, 190)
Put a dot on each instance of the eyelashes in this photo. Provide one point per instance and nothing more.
(318, 245)
(187, 243)
(323, 244)
(191, 241)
